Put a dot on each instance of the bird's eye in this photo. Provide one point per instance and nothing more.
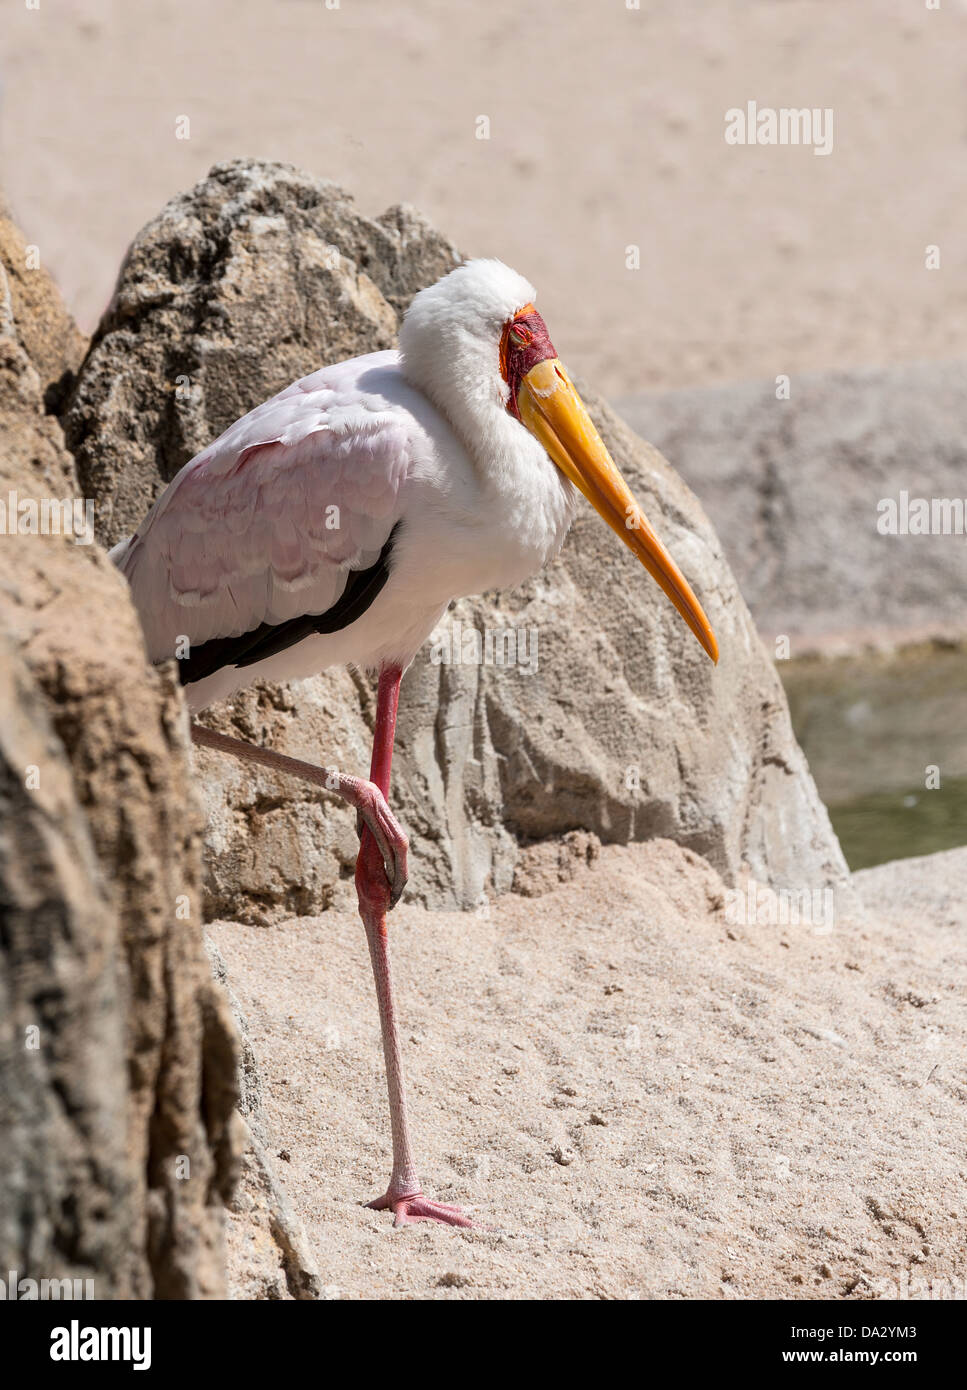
(520, 336)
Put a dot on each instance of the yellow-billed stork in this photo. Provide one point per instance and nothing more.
(334, 523)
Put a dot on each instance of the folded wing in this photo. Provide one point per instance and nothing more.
(290, 510)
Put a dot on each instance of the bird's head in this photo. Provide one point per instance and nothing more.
(473, 342)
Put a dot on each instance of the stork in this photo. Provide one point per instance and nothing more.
(334, 524)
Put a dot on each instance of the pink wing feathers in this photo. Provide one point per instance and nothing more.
(267, 522)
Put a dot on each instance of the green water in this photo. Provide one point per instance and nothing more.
(885, 825)
(871, 728)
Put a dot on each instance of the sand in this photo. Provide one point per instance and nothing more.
(634, 1098)
(607, 130)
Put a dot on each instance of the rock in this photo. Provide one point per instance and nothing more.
(39, 320)
(117, 1054)
(33, 443)
(794, 487)
(232, 292)
(931, 888)
(615, 726)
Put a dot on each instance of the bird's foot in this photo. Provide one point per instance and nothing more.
(415, 1207)
(373, 813)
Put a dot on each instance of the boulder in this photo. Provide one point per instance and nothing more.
(117, 1053)
(795, 487)
(929, 891)
(37, 316)
(233, 291)
(611, 722)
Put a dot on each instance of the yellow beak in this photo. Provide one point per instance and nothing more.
(552, 410)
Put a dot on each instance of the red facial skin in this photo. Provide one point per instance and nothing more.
(518, 357)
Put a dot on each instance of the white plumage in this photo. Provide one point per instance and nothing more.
(267, 522)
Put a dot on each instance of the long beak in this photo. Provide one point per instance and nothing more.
(552, 410)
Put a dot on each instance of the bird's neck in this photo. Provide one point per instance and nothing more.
(517, 479)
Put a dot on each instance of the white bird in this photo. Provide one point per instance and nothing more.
(334, 524)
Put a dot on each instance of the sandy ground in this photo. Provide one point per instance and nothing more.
(634, 1098)
(606, 131)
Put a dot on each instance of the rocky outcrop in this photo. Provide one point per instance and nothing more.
(796, 488)
(930, 890)
(611, 721)
(36, 315)
(233, 291)
(117, 1053)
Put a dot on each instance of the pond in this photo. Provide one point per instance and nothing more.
(886, 739)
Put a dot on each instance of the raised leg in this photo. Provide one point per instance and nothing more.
(403, 1196)
(369, 801)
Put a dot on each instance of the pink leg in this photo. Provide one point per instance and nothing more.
(403, 1196)
(369, 801)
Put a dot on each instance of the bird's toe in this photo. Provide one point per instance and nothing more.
(415, 1207)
